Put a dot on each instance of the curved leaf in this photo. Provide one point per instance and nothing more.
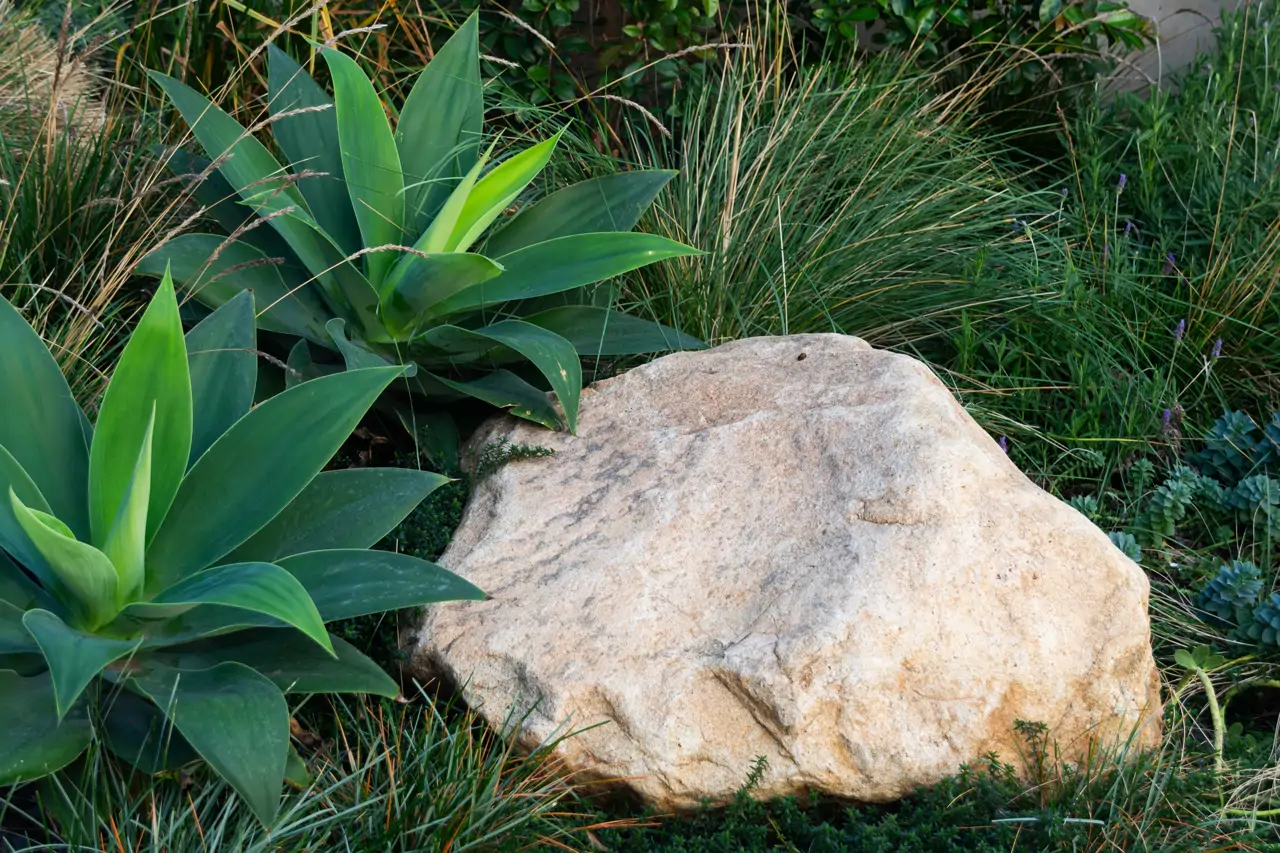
(565, 263)
(224, 370)
(439, 131)
(355, 582)
(13, 538)
(33, 743)
(258, 466)
(502, 389)
(309, 138)
(347, 508)
(600, 332)
(137, 731)
(417, 284)
(18, 590)
(257, 587)
(608, 203)
(496, 190)
(42, 424)
(126, 544)
(370, 162)
(75, 658)
(237, 266)
(235, 718)
(14, 638)
(355, 356)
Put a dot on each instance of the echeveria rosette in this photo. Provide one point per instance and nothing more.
(166, 573)
(387, 246)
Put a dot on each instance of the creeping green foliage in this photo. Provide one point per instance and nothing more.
(1168, 505)
(381, 246)
(1127, 544)
(166, 573)
(1230, 596)
(1237, 447)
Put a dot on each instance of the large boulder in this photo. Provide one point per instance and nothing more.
(796, 547)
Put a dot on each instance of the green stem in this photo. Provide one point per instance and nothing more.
(1215, 712)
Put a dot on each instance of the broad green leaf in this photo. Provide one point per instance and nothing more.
(33, 742)
(609, 203)
(346, 508)
(84, 571)
(290, 660)
(299, 367)
(224, 371)
(440, 126)
(237, 266)
(257, 587)
(354, 582)
(309, 138)
(565, 263)
(235, 718)
(417, 284)
(17, 589)
(258, 466)
(14, 638)
(75, 658)
(554, 357)
(42, 424)
(439, 233)
(600, 332)
(493, 193)
(505, 390)
(151, 376)
(296, 774)
(139, 733)
(370, 162)
(355, 356)
(12, 536)
(1185, 660)
(126, 545)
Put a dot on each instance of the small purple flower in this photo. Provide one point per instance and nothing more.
(1169, 262)
(1124, 179)
(1180, 330)
(1106, 250)
(1128, 228)
(1216, 352)
(1166, 421)
(1065, 192)
(1004, 443)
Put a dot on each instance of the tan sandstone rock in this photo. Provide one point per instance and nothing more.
(800, 548)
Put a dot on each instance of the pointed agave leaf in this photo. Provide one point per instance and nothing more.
(505, 390)
(299, 367)
(609, 203)
(12, 536)
(493, 193)
(33, 742)
(370, 162)
(137, 731)
(42, 424)
(354, 582)
(347, 508)
(14, 638)
(600, 332)
(439, 234)
(257, 587)
(292, 308)
(258, 466)
(565, 263)
(18, 590)
(355, 356)
(309, 138)
(126, 545)
(75, 658)
(82, 570)
(224, 371)
(236, 719)
(417, 284)
(438, 134)
(554, 357)
(290, 660)
(150, 376)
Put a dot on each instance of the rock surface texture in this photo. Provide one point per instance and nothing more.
(800, 548)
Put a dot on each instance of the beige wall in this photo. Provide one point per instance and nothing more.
(1185, 27)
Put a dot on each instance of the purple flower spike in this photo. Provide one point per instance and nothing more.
(1004, 443)
(1216, 352)
(1106, 250)
(1180, 330)
(1124, 179)
(1166, 421)
(1128, 228)
(1065, 192)
(1169, 262)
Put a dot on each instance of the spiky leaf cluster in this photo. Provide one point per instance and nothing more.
(1236, 448)
(1264, 627)
(1230, 597)
(1168, 505)
(1127, 544)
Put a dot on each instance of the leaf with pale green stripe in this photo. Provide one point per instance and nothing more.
(290, 660)
(33, 742)
(82, 570)
(554, 357)
(12, 536)
(41, 426)
(439, 233)
(493, 193)
(417, 284)
(224, 371)
(608, 203)
(292, 308)
(258, 466)
(370, 162)
(309, 139)
(600, 332)
(346, 583)
(347, 508)
(439, 131)
(75, 658)
(151, 376)
(236, 719)
(126, 545)
(565, 263)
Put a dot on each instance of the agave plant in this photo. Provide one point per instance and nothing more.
(377, 243)
(166, 573)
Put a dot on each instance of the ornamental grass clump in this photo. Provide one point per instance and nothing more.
(381, 246)
(166, 573)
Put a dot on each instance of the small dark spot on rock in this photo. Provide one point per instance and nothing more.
(802, 356)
